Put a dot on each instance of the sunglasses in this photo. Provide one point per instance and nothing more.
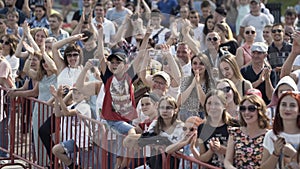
(190, 129)
(277, 30)
(72, 54)
(225, 89)
(145, 104)
(166, 108)
(212, 39)
(4, 42)
(248, 32)
(251, 108)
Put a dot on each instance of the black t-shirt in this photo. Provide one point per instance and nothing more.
(232, 46)
(249, 74)
(206, 132)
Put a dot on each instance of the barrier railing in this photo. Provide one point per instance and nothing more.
(96, 148)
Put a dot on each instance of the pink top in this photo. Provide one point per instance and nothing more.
(246, 53)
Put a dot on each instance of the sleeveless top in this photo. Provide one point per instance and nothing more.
(246, 53)
(68, 76)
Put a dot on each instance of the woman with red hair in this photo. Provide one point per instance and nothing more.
(281, 143)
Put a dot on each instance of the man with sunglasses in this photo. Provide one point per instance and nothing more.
(279, 50)
(259, 73)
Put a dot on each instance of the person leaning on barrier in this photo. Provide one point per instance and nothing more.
(71, 124)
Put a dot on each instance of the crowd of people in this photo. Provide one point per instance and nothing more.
(215, 80)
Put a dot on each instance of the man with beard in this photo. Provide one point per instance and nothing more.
(10, 6)
(279, 50)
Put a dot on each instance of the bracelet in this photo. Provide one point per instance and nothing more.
(275, 154)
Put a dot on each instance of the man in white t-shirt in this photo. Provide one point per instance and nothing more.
(118, 13)
(109, 29)
(159, 31)
(254, 18)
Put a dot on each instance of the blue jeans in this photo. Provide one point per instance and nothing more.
(85, 156)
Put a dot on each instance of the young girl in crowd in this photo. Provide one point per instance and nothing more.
(280, 143)
(213, 134)
(232, 96)
(166, 125)
(72, 123)
(285, 84)
(245, 143)
(188, 142)
(193, 90)
(230, 70)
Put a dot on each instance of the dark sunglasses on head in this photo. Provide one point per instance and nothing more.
(4, 42)
(225, 89)
(72, 54)
(214, 39)
(277, 30)
(190, 129)
(248, 32)
(251, 108)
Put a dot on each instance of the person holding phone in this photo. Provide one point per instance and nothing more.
(280, 143)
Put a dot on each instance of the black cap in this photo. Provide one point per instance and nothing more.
(118, 55)
(222, 11)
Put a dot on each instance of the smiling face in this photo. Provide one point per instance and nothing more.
(35, 63)
(40, 38)
(213, 40)
(73, 58)
(277, 33)
(210, 24)
(39, 13)
(289, 108)
(198, 65)
(116, 66)
(226, 70)
(189, 128)
(249, 112)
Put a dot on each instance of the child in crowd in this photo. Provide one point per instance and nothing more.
(70, 125)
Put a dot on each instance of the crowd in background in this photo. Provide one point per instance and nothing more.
(215, 80)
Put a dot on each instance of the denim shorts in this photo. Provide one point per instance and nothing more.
(120, 127)
(69, 146)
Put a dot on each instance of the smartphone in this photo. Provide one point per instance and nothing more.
(95, 62)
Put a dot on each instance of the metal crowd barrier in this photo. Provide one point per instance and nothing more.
(97, 146)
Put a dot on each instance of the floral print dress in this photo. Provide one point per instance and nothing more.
(248, 151)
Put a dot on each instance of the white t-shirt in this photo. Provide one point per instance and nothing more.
(293, 139)
(161, 35)
(68, 76)
(14, 63)
(73, 124)
(109, 29)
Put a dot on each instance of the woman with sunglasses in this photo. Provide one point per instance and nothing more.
(227, 40)
(243, 53)
(213, 133)
(280, 143)
(209, 26)
(245, 143)
(193, 90)
(188, 142)
(68, 65)
(229, 69)
(232, 96)
(9, 45)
